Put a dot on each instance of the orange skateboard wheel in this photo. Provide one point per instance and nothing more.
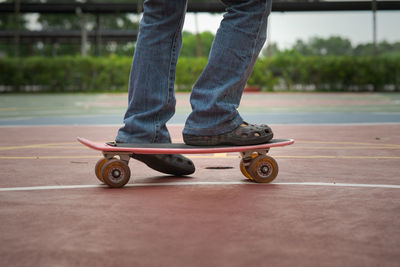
(115, 173)
(263, 169)
(97, 168)
(244, 171)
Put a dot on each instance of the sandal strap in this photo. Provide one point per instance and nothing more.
(245, 134)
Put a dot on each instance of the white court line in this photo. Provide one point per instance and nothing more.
(61, 187)
(181, 124)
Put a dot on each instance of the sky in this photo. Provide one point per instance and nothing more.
(287, 27)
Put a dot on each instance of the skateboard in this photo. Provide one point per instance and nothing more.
(114, 171)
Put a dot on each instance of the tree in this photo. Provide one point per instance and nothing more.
(270, 50)
(189, 44)
(384, 48)
(332, 46)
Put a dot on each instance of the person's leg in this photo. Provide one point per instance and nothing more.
(217, 93)
(151, 84)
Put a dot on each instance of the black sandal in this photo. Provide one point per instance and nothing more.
(173, 164)
(245, 134)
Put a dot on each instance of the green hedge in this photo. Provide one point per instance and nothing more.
(283, 72)
(345, 73)
(63, 74)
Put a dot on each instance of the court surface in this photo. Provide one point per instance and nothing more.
(335, 202)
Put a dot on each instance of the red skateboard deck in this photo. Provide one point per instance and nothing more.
(113, 168)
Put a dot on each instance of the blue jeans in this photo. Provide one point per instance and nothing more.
(216, 94)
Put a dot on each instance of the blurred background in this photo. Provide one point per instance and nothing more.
(87, 46)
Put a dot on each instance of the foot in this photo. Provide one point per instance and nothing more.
(173, 164)
(245, 134)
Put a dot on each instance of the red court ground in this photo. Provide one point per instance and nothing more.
(336, 202)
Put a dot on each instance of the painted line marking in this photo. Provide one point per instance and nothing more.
(50, 157)
(118, 125)
(8, 109)
(48, 145)
(205, 156)
(298, 147)
(337, 157)
(344, 145)
(63, 187)
(211, 156)
(362, 144)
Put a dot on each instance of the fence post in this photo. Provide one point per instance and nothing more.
(98, 35)
(374, 29)
(17, 30)
(83, 31)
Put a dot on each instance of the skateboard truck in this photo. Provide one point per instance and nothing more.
(125, 157)
(247, 156)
